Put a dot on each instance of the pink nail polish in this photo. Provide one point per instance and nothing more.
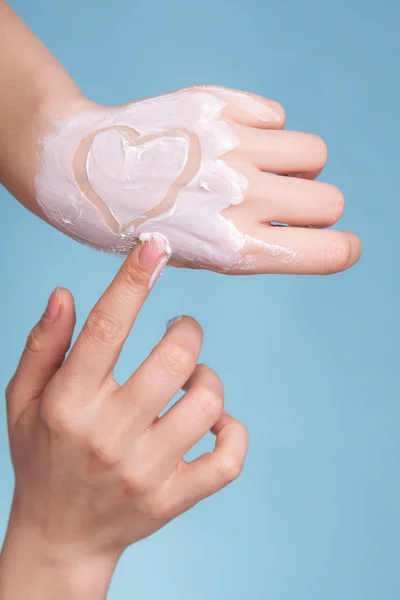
(53, 306)
(154, 247)
(172, 321)
(158, 271)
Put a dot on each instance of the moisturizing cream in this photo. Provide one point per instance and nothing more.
(109, 176)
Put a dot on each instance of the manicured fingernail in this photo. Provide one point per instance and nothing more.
(158, 272)
(154, 247)
(173, 321)
(278, 114)
(53, 306)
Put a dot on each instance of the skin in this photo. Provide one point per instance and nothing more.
(266, 154)
(96, 468)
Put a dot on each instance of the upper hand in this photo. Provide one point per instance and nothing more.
(205, 166)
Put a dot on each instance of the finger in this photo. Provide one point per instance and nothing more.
(249, 109)
(281, 152)
(96, 351)
(175, 433)
(272, 198)
(300, 251)
(44, 352)
(162, 374)
(213, 471)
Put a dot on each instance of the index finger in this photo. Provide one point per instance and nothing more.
(96, 350)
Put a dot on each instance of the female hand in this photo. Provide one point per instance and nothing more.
(208, 168)
(204, 166)
(96, 468)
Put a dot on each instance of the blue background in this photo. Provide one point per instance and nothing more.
(311, 365)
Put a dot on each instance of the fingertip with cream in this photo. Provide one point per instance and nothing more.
(155, 251)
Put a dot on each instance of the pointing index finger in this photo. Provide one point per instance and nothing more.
(100, 342)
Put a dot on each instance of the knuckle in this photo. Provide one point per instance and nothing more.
(134, 278)
(10, 389)
(34, 342)
(177, 358)
(211, 402)
(243, 433)
(103, 451)
(230, 468)
(102, 328)
(57, 417)
(135, 481)
(157, 509)
(337, 254)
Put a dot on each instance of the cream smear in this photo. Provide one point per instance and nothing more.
(110, 176)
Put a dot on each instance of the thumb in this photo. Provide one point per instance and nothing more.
(44, 352)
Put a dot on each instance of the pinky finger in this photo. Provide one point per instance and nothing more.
(213, 471)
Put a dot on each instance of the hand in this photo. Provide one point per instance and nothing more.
(96, 468)
(205, 166)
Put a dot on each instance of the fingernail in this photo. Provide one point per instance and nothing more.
(154, 247)
(278, 114)
(355, 249)
(173, 321)
(158, 271)
(53, 306)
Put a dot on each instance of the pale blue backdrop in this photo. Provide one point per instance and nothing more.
(311, 365)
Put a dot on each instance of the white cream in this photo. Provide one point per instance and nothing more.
(107, 177)
(263, 112)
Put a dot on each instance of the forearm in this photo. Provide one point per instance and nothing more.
(32, 568)
(35, 88)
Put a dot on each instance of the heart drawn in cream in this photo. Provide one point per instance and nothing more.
(189, 169)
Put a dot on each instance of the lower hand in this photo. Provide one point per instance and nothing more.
(96, 467)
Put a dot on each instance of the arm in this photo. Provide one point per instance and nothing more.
(206, 167)
(34, 88)
(32, 568)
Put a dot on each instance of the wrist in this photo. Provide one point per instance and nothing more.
(33, 567)
(20, 143)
